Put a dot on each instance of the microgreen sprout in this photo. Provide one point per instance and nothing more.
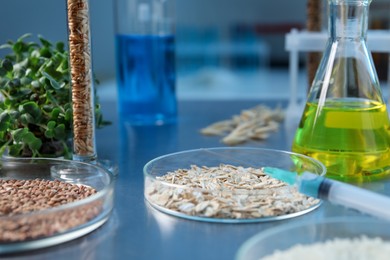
(35, 102)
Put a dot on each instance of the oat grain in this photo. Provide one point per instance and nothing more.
(81, 78)
(226, 191)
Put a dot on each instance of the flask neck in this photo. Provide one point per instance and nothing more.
(348, 19)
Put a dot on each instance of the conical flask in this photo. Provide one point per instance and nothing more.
(345, 123)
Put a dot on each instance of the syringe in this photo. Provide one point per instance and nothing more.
(336, 192)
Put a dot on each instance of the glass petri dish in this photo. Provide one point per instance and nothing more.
(228, 205)
(284, 237)
(56, 224)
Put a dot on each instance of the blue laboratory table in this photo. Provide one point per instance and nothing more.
(137, 231)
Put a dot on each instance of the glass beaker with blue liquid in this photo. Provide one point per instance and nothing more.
(145, 56)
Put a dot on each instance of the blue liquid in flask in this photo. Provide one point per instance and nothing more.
(146, 79)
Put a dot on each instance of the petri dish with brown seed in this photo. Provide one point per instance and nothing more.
(44, 202)
(227, 185)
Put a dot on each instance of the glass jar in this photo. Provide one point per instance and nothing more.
(145, 56)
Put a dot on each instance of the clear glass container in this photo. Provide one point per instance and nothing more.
(286, 236)
(145, 57)
(345, 123)
(82, 81)
(228, 199)
(58, 224)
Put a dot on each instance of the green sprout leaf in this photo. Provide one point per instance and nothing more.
(68, 114)
(32, 109)
(55, 113)
(51, 125)
(60, 47)
(49, 133)
(6, 64)
(36, 110)
(60, 132)
(45, 43)
(32, 142)
(53, 82)
(15, 149)
(5, 121)
(19, 134)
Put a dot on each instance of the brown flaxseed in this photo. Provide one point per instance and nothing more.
(20, 197)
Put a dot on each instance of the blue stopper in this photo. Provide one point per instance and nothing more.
(281, 175)
(310, 184)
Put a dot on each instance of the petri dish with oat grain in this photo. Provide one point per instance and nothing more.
(227, 185)
(45, 202)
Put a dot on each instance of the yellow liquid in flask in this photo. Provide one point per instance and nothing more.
(350, 138)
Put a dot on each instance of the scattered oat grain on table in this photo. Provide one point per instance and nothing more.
(256, 123)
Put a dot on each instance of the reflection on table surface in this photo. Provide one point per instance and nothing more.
(137, 231)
